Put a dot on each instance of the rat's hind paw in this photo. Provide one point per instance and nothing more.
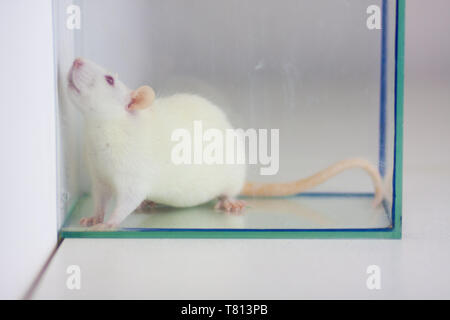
(146, 204)
(230, 205)
(87, 222)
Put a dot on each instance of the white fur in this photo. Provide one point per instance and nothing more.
(129, 154)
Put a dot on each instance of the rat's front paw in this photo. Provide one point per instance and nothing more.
(103, 227)
(87, 222)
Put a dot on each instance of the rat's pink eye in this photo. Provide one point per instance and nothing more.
(110, 80)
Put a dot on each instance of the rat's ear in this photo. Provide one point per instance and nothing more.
(141, 98)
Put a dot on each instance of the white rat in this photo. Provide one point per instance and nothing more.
(128, 150)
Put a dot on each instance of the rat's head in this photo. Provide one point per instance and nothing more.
(95, 91)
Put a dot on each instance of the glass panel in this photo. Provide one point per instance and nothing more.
(311, 69)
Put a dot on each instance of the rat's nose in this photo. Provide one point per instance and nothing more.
(77, 63)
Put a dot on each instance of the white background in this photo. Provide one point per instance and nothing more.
(416, 266)
(27, 140)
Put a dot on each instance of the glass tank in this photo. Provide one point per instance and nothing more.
(229, 119)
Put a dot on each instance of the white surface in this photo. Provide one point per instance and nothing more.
(414, 267)
(27, 140)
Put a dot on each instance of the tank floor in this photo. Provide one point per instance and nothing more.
(314, 211)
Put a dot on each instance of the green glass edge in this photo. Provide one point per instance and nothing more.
(397, 231)
(304, 234)
(394, 233)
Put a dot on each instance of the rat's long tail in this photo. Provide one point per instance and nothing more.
(299, 186)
